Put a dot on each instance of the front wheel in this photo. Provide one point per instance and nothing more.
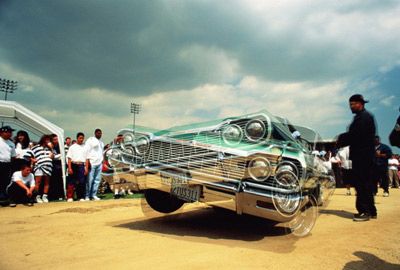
(304, 221)
(162, 201)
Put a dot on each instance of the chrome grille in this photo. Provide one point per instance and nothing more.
(199, 160)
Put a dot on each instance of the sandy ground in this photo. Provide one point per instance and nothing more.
(124, 234)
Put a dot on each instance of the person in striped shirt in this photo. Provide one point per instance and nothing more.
(42, 157)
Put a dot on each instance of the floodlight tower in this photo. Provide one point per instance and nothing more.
(135, 109)
(7, 86)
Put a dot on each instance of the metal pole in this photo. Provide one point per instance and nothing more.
(134, 118)
(135, 109)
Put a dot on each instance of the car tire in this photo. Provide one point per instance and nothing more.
(161, 201)
(304, 221)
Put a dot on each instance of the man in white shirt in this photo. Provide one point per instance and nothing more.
(78, 165)
(94, 148)
(7, 154)
(22, 186)
(393, 169)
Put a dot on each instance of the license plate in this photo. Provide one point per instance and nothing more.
(189, 194)
(173, 180)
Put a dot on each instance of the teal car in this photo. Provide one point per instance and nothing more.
(256, 164)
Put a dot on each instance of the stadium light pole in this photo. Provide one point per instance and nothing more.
(135, 109)
(7, 86)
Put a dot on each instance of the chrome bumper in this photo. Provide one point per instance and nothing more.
(250, 198)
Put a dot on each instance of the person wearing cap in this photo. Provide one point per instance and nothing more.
(7, 155)
(361, 139)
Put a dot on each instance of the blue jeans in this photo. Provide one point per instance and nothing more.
(93, 182)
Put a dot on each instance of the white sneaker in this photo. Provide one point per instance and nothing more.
(82, 200)
(385, 194)
(39, 199)
(95, 198)
(70, 200)
(87, 199)
(44, 198)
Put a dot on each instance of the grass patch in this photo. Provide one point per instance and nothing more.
(110, 196)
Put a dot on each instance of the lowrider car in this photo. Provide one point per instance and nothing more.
(251, 164)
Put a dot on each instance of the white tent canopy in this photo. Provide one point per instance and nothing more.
(16, 115)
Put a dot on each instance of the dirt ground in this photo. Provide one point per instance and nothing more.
(125, 234)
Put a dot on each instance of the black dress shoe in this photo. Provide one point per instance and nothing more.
(361, 217)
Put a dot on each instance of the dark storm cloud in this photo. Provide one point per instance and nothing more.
(131, 46)
(78, 44)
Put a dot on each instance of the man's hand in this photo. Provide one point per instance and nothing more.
(70, 171)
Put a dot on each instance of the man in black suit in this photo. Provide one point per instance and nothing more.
(360, 137)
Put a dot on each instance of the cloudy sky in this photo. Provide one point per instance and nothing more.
(81, 63)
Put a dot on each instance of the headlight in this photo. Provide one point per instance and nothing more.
(129, 150)
(255, 130)
(128, 154)
(259, 169)
(113, 156)
(287, 197)
(127, 139)
(142, 145)
(232, 134)
(287, 166)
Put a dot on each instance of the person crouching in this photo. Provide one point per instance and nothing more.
(22, 186)
(78, 166)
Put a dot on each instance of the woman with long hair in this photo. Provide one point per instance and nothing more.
(22, 147)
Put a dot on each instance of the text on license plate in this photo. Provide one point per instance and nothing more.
(189, 194)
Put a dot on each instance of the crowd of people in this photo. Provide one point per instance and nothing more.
(385, 173)
(32, 172)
